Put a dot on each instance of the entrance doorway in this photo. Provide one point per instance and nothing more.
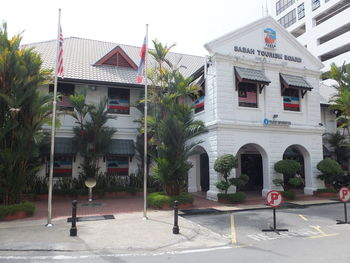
(204, 172)
(251, 165)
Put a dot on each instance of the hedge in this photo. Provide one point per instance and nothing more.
(158, 199)
(8, 210)
(237, 197)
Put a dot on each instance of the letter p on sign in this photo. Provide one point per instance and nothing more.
(344, 194)
(274, 198)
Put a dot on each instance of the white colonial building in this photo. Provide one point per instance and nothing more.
(260, 101)
(261, 104)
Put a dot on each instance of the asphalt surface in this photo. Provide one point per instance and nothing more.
(313, 236)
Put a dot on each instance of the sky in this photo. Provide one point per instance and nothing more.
(188, 24)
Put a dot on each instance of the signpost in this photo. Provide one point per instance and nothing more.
(274, 199)
(344, 196)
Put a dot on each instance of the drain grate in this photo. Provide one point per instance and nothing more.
(91, 218)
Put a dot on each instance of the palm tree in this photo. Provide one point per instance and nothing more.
(171, 121)
(92, 136)
(337, 141)
(23, 112)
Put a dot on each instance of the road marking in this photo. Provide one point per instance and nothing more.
(322, 233)
(303, 217)
(233, 231)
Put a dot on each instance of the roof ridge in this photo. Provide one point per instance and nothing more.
(108, 42)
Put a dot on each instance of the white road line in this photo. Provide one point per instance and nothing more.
(303, 217)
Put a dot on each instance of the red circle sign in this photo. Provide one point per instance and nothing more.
(344, 194)
(274, 198)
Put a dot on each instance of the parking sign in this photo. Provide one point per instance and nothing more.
(274, 198)
(344, 194)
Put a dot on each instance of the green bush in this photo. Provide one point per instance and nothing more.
(289, 194)
(287, 167)
(7, 210)
(296, 182)
(330, 169)
(158, 200)
(238, 197)
(223, 186)
(239, 181)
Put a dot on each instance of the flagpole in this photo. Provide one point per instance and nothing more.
(53, 127)
(145, 134)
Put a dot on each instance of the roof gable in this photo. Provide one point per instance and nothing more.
(117, 57)
(251, 42)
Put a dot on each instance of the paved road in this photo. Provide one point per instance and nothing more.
(313, 236)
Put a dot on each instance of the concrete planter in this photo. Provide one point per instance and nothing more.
(18, 215)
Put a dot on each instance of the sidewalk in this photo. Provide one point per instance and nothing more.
(127, 233)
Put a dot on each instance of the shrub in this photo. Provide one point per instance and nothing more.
(330, 169)
(239, 181)
(287, 167)
(158, 200)
(296, 182)
(238, 197)
(7, 210)
(288, 194)
(223, 186)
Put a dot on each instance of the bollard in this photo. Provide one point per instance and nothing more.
(176, 215)
(73, 230)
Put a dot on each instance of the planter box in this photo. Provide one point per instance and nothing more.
(18, 215)
(325, 194)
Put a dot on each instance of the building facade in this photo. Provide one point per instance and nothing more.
(323, 26)
(262, 104)
(260, 101)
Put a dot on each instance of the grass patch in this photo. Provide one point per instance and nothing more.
(8, 210)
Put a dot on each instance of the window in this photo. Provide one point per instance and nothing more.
(283, 5)
(62, 166)
(117, 166)
(291, 99)
(301, 11)
(315, 4)
(118, 101)
(247, 95)
(289, 19)
(64, 90)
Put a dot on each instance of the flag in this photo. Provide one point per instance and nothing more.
(142, 61)
(60, 55)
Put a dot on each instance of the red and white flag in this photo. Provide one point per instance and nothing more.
(60, 55)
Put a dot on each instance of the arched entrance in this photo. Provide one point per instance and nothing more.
(300, 154)
(252, 161)
(198, 179)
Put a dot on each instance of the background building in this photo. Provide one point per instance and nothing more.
(322, 26)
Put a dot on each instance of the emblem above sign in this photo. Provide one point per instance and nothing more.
(270, 38)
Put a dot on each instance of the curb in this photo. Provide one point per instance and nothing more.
(185, 213)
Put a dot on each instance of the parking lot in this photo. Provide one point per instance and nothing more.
(244, 228)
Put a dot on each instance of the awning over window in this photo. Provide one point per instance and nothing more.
(121, 147)
(251, 76)
(63, 146)
(295, 82)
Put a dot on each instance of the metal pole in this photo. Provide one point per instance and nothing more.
(53, 127)
(274, 219)
(145, 135)
(74, 230)
(346, 213)
(176, 229)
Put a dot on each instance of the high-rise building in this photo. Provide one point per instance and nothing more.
(322, 26)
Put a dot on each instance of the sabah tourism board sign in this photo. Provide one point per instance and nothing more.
(270, 39)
